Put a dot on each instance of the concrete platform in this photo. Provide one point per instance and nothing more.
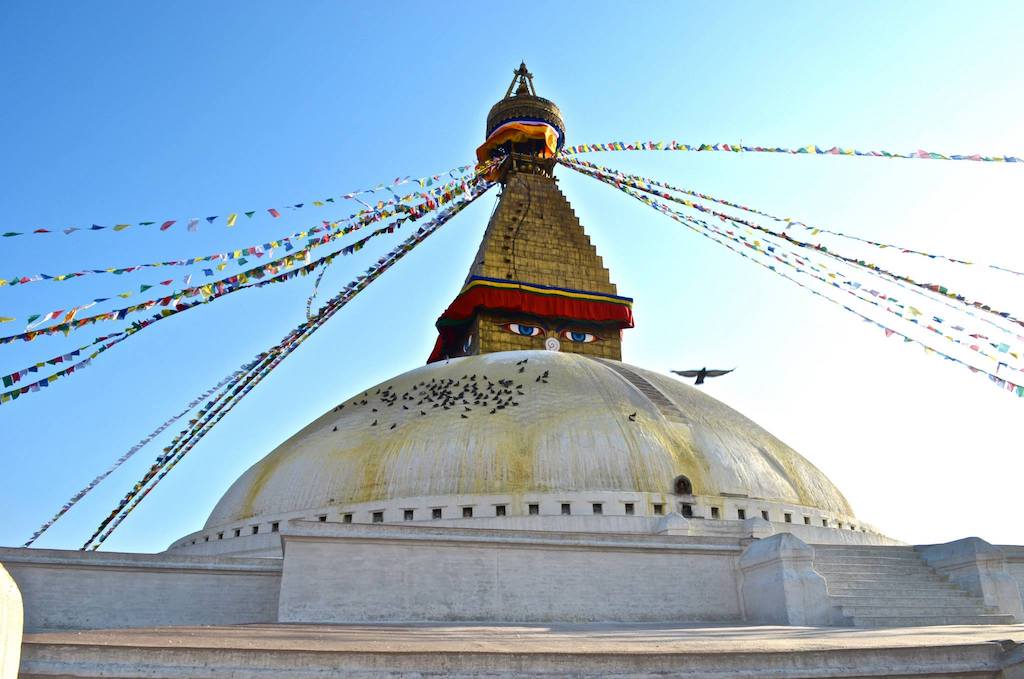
(559, 650)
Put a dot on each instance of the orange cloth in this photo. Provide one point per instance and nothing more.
(519, 131)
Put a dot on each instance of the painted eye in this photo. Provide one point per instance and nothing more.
(524, 330)
(579, 337)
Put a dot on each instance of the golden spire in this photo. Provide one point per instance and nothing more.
(537, 281)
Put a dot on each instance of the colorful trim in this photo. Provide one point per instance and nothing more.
(544, 290)
(526, 298)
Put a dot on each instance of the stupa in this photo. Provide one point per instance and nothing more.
(524, 416)
(505, 508)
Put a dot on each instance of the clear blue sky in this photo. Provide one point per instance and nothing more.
(129, 111)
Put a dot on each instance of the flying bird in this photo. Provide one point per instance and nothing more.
(702, 373)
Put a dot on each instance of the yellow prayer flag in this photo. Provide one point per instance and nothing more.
(6, 319)
(222, 266)
(231, 219)
(124, 295)
(121, 227)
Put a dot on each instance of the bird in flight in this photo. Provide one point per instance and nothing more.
(702, 373)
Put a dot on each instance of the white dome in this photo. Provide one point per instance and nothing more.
(493, 429)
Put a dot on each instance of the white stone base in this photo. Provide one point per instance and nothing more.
(337, 573)
(513, 652)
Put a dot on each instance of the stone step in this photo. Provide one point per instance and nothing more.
(840, 547)
(894, 587)
(927, 621)
(914, 611)
(887, 568)
(926, 598)
(863, 550)
(894, 583)
(867, 558)
(876, 588)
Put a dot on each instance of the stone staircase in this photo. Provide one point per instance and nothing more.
(873, 586)
(667, 408)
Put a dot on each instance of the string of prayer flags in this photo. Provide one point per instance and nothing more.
(111, 340)
(645, 184)
(934, 288)
(1003, 383)
(184, 442)
(815, 230)
(821, 273)
(234, 393)
(237, 281)
(312, 294)
(810, 149)
(856, 289)
(428, 200)
(193, 223)
(125, 457)
(907, 313)
(17, 376)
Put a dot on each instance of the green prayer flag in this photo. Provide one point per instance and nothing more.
(250, 213)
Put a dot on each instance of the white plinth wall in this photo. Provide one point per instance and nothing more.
(354, 573)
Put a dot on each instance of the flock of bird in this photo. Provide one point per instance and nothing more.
(468, 394)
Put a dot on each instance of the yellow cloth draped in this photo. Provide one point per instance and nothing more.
(520, 131)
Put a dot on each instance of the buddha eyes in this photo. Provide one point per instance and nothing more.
(579, 337)
(527, 330)
(523, 329)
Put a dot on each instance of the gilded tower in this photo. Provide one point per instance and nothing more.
(537, 281)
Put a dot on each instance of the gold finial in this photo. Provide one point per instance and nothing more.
(525, 80)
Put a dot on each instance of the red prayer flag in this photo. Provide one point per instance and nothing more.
(166, 225)
(273, 212)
